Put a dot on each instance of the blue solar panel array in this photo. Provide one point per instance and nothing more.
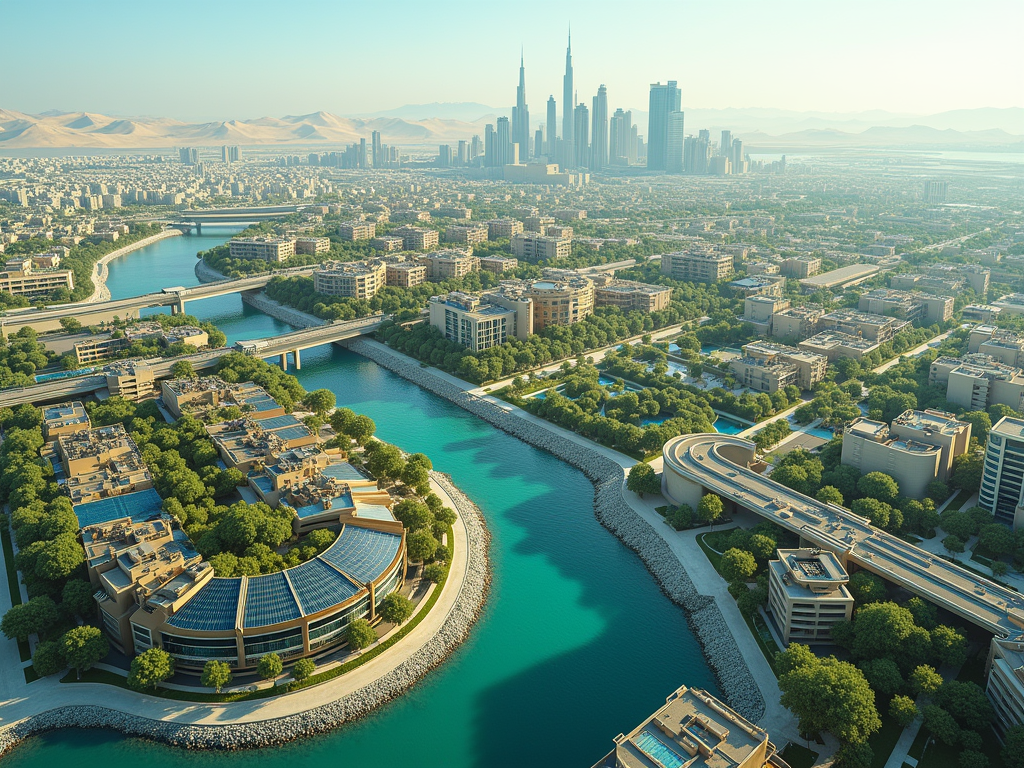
(343, 471)
(319, 586)
(269, 601)
(141, 505)
(361, 553)
(293, 433)
(212, 609)
(276, 422)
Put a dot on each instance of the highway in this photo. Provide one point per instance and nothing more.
(710, 462)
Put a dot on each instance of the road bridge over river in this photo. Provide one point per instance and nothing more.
(272, 347)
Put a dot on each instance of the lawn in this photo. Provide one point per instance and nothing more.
(883, 740)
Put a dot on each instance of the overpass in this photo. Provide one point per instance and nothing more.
(175, 298)
(720, 464)
(189, 219)
(274, 346)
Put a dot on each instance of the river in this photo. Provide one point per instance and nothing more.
(576, 644)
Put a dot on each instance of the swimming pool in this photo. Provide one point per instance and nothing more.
(726, 426)
(659, 750)
(57, 375)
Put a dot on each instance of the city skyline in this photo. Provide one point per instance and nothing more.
(917, 63)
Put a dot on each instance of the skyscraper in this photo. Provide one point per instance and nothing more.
(503, 152)
(581, 139)
(674, 153)
(620, 132)
(521, 115)
(725, 147)
(665, 99)
(552, 130)
(738, 163)
(568, 105)
(474, 149)
(376, 153)
(490, 141)
(599, 133)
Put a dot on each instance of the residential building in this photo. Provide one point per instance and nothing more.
(980, 313)
(761, 267)
(246, 443)
(502, 228)
(465, 234)
(498, 264)
(353, 231)
(808, 595)
(533, 247)
(538, 224)
(462, 318)
(801, 266)
(449, 264)
(762, 375)
(64, 419)
(352, 279)
(1003, 478)
(921, 307)
(417, 238)
(1011, 303)
(276, 249)
(978, 381)
(21, 278)
(797, 323)
(760, 309)
(835, 345)
(130, 379)
(200, 395)
(695, 730)
(759, 285)
(697, 266)
(975, 275)
(629, 295)
(388, 243)
(665, 99)
(864, 324)
(810, 367)
(554, 301)
(917, 449)
(1005, 688)
(100, 463)
(839, 279)
(312, 245)
(1003, 345)
(405, 274)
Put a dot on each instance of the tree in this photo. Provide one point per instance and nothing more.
(385, 461)
(150, 668)
(762, 547)
(967, 703)
(972, 758)
(925, 681)
(710, 508)
(925, 614)
(996, 539)
(883, 675)
(303, 669)
(795, 656)
(1013, 747)
(434, 572)
(48, 658)
(829, 494)
(738, 565)
(421, 545)
(361, 429)
(360, 634)
(76, 599)
(216, 674)
(831, 695)
(867, 588)
(31, 618)
(269, 667)
(941, 724)
(881, 629)
(415, 475)
(953, 544)
(319, 401)
(71, 324)
(414, 515)
(903, 710)
(878, 512)
(949, 646)
(396, 608)
(937, 491)
(967, 469)
(321, 538)
(60, 558)
(84, 646)
(183, 369)
(643, 479)
(878, 485)
(855, 754)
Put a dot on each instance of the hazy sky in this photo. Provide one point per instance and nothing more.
(223, 59)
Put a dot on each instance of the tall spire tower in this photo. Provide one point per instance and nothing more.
(568, 105)
(521, 115)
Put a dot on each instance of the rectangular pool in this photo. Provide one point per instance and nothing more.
(659, 750)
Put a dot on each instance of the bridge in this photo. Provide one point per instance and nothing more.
(188, 220)
(275, 346)
(720, 464)
(175, 298)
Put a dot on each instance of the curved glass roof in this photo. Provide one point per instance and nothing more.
(269, 600)
(213, 608)
(362, 553)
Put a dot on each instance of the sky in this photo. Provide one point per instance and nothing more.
(228, 59)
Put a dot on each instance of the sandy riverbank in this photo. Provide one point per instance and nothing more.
(100, 271)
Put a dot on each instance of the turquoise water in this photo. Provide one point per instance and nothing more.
(576, 643)
(726, 426)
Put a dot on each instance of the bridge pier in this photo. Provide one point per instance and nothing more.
(298, 360)
(284, 361)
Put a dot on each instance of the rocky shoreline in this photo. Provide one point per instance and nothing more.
(452, 632)
(706, 619)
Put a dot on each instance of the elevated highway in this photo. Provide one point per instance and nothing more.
(272, 347)
(173, 297)
(720, 464)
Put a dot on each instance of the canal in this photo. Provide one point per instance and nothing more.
(576, 643)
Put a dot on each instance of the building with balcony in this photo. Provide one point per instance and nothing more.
(465, 234)
(834, 345)
(352, 279)
(810, 367)
(557, 301)
(913, 307)
(1002, 480)
(697, 266)
(353, 231)
(21, 278)
(498, 229)
(863, 324)
(629, 295)
(388, 243)
(808, 595)
(796, 323)
(449, 264)
(417, 238)
(498, 264)
(405, 274)
(466, 320)
(534, 247)
(275, 249)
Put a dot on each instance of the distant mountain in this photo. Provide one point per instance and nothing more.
(85, 129)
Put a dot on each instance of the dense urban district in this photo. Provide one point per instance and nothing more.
(809, 371)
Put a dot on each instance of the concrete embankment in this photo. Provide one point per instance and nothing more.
(261, 301)
(100, 271)
(255, 732)
(612, 510)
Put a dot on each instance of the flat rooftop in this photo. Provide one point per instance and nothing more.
(840, 276)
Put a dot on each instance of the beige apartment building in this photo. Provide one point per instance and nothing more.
(276, 249)
(628, 295)
(697, 266)
(538, 224)
(763, 375)
(312, 245)
(839, 279)
(554, 301)
(693, 730)
(388, 243)
(20, 278)
(918, 448)
(498, 229)
(760, 309)
(477, 325)
(808, 595)
(352, 231)
(834, 345)
(796, 322)
(406, 274)
(100, 463)
(498, 264)
(417, 238)
(465, 234)
(64, 419)
(1002, 345)
(921, 307)
(810, 367)
(864, 324)
(801, 266)
(352, 279)
(978, 381)
(535, 247)
(449, 264)
(132, 380)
